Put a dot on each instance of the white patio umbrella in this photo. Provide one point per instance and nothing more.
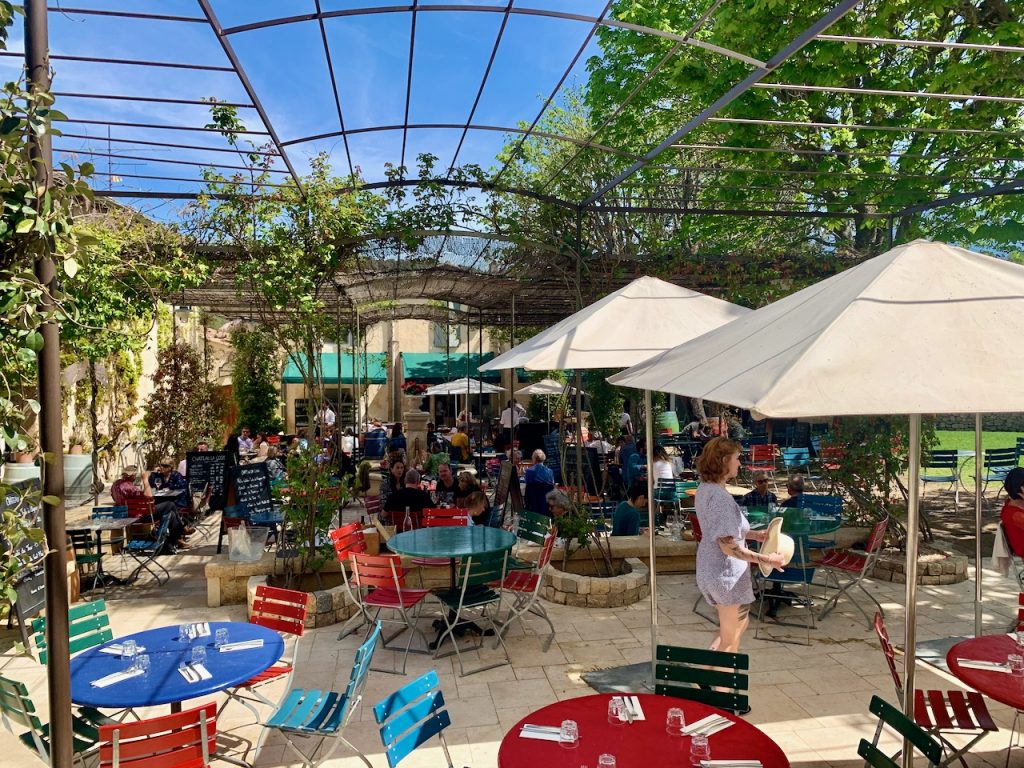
(545, 387)
(463, 385)
(639, 320)
(911, 331)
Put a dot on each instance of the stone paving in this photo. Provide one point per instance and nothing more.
(811, 700)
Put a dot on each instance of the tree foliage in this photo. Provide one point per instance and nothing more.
(255, 376)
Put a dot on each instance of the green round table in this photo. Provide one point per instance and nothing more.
(795, 520)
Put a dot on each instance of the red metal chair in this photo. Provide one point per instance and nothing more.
(284, 611)
(140, 506)
(180, 740)
(380, 584)
(450, 517)
(954, 712)
(346, 540)
(854, 565)
(762, 459)
(525, 587)
(373, 506)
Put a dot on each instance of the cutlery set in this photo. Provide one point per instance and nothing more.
(988, 666)
(242, 645)
(116, 677)
(194, 673)
(708, 726)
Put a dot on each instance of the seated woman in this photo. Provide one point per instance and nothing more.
(467, 486)
(1012, 515)
(663, 469)
(478, 507)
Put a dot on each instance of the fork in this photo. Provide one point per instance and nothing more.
(191, 675)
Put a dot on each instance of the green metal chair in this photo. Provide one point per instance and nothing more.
(695, 673)
(471, 602)
(87, 558)
(88, 626)
(18, 711)
(533, 529)
(887, 714)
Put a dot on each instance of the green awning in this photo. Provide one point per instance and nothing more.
(435, 367)
(373, 372)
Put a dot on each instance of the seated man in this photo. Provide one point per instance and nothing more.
(126, 488)
(760, 496)
(627, 516)
(410, 498)
(460, 440)
(795, 488)
(539, 471)
(1012, 514)
(447, 485)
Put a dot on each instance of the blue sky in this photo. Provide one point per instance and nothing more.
(287, 67)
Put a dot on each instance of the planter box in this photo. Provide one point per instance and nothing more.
(631, 586)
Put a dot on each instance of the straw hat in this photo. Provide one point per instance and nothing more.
(779, 542)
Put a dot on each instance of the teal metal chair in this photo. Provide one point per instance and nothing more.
(996, 465)
(799, 572)
(88, 626)
(942, 467)
(412, 715)
(145, 551)
(471, 602)
(888, 715)
(319, 715)
(698, 674)
(17, 711)
(532, 529)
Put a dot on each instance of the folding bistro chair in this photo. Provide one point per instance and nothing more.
(380, 584)
(762, 459)
(710, 677)
(346, 540)
(997, 463)
(953, 712)
(887, 714)
(412, 715)
(470, 601)
(18, 711)
(88, 626)
(180, 740)
(942, 467)
(145, 552)
(853, 565)
(88, 558)
(798, 460)
(284, 611)
(321, 715)
(532, 529)
(525, 588)
(800, 571)
(116, 539)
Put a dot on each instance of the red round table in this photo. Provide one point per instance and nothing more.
(1001, 686)
(641, 744)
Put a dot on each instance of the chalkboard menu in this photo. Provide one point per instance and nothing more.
(508, 490)
(209, 467)
(27, 550)
(252, 489)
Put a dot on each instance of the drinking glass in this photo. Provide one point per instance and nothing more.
(185, 633)
(569, 735)
(199, 654)
(1016, 663)
(220, 638)
(615, 710)
(675, 721)
(129, 650)
(1020, 640)
(606, 761)
(700, 750)
(142, 663)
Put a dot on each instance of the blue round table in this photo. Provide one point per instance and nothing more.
(164, 684)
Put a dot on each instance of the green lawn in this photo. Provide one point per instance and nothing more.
(964, 440)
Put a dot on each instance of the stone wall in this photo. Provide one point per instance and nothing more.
(933, 567)
(993, 422)
(597, 592)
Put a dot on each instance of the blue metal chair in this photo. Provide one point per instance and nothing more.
(322, 714)
(997, 463)
(798, 460)
(412, 715)
(145, 551)
(823, 506)
(942, 466)
(601, 513)
(800, 571)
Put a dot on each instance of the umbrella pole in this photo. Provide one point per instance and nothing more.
(582, 483)
(910, 632)
(649, 429)
(978, 599)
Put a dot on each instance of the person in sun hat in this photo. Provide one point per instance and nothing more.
(723, 559)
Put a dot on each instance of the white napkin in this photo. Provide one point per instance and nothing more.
(709, 725)
(115, 677)
(117, 649)
(242, 645)
(988, 666)
(730, 763)
(634, 707)
(527, 733)
(202, 629)
(204, 673)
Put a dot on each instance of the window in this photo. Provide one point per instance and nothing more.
(438, 336)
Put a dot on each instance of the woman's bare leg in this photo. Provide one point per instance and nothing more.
(732, 623)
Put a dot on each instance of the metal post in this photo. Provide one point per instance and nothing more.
(337, 416)
(512, 385)
(51, 439)
(649, 435)
(979, 602)
(359, 380)
(580, 477)
(910, 631)
(480, 398)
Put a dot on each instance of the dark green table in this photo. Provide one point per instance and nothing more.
(798, 521)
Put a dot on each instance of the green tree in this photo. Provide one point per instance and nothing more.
(255, 377)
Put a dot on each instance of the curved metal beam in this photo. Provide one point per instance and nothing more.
(611, 23)
(483, 186)
(1014, 187)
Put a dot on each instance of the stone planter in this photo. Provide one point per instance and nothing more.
(632, 586)
(77, 476)
(19, 471)
(934, 566)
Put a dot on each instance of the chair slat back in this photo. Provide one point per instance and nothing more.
(410, 716)
(482, 569)
(701, 671)
(942, 459)
(356, 680)
(346, 540)
(877, 536)
(874, 757)
(822, 504)
(533, 527)
(375, 571)
(88, 626)
(16, 706)
(450, 517)
(1020, 611)
(282, 610)
(140, 506)
(890, 653)
(116, 512)
(373, 506)
(891, 716)
(1000, 458)
(763, 453)
(187, 739)
(545, 552)
(795, 458)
